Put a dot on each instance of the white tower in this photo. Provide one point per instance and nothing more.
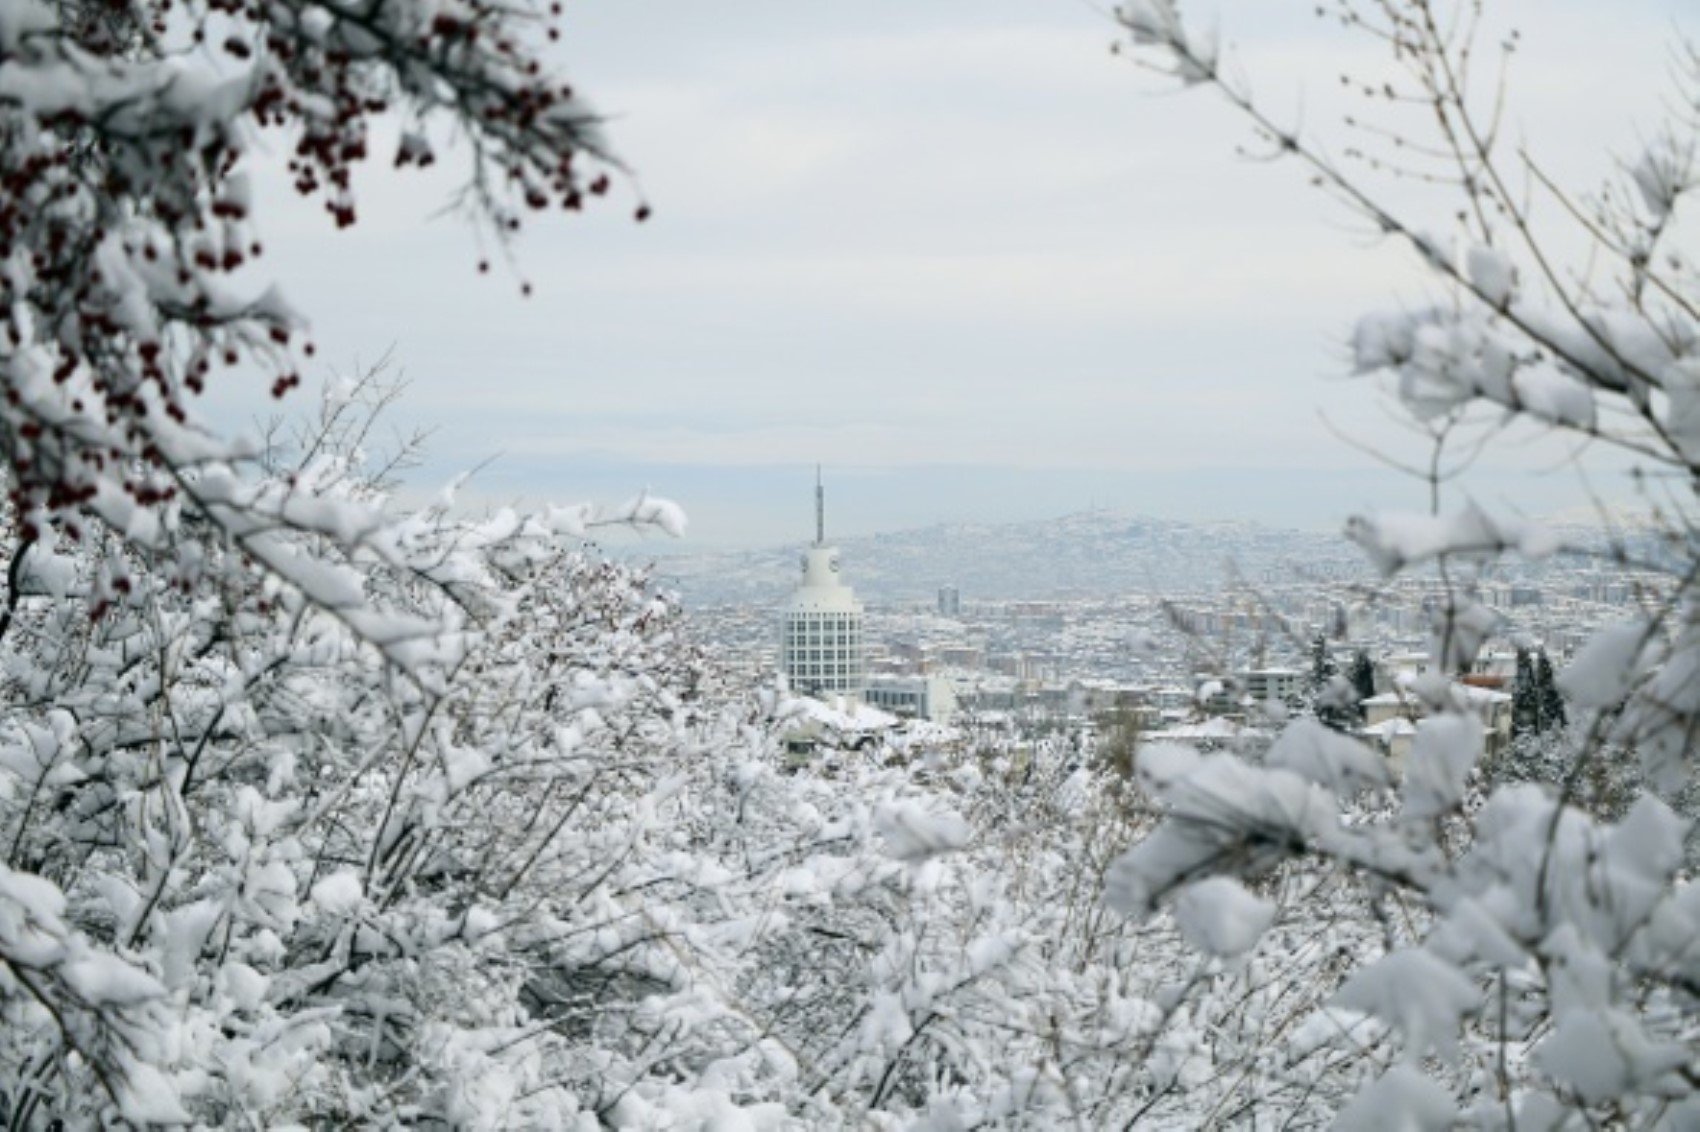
(820, 649)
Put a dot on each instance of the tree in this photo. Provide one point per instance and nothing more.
(130, 137)
(1537, 705)
(1523, 887)
(263, 831)
(1322, 666)
(1551, 700)
(1331, 697)
(1362, 677)
(1525, 698)
(1117, 741)
(281, 859)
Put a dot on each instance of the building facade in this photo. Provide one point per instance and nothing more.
(1273, 684)
(914, 697)
(820, 647)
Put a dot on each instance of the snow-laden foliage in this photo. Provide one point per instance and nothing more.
(311, 811)
(1537, 969)
(987, 984)
(319, 813)
(316, 813)
(344, 850)
(449, 822)
(548, 871)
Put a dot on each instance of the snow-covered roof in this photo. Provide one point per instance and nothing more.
(841, 715)
(1390, 729)
(1208, 729)
(922, 732)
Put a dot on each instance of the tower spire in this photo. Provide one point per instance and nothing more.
(820, 510)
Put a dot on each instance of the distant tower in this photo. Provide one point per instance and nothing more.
(950, 601)
(820, 647)
(820, 510)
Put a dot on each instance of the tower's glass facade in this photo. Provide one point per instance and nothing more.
(822, 651)
(820, 647)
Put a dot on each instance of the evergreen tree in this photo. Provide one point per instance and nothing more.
(1322, 668)
(1362, 676)
(1331, 697)
(1549, 702)
(1525, 703)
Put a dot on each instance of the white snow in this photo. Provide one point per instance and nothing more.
(1328, 758)
(1395, 540)
(340, 893)
(1400, 1100)
(914, 833)
(1442, 755)
(1604, 1052)
(1492, 273)
(1423, 997)
(1605, 670)
(1219, 916)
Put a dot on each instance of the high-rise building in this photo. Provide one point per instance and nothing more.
(820, 647)
(950, 601)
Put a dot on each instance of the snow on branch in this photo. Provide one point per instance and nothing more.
(1396, 541)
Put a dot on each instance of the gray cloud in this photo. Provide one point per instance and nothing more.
(902, 237)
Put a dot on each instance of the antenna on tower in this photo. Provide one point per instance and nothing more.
(820, 510)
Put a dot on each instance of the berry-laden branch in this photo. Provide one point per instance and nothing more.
(127, 143)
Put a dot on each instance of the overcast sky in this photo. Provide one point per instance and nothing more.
(952, 250)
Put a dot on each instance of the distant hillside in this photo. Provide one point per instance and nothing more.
(1083, 555)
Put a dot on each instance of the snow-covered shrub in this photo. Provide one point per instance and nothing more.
(1538, 968)
(920, 979)
(342, 847)
(285, 778)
